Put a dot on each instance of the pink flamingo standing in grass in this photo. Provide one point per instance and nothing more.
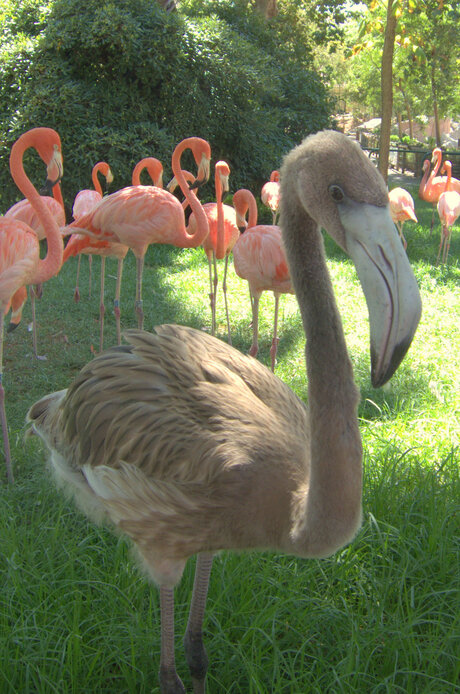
(84, 202)
(431, 186)
(25, 212)
(259, 258)
(20, 262)
(223, 234)
(401, 209)
(137, 216)
(448, 210)
(270, 194)
(79, 243)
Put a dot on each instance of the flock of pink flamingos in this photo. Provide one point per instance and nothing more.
(139, 215)
(440, 191)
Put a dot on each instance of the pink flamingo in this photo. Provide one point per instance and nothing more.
(431, 186)
(448, 210)
(24, 212)
(153, 167)
(401, 209)
(113, 249)
(140, 215)
(223, 234)
(270, 194)
(84, 202)
(20, 262)
(259, 258)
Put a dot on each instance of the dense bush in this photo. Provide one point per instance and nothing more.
(124, 80)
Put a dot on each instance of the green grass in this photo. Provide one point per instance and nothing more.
(381, 616)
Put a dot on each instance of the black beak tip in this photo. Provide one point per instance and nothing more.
(47, 188)
(379, 379)
(197, 183)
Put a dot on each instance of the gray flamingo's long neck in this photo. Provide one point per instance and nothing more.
(330, 511)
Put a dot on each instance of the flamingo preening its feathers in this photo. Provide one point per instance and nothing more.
(189, 447)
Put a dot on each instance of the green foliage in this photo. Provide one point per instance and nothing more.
(120, 81)
(425, 56)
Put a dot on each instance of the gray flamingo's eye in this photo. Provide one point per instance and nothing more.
(336, 193)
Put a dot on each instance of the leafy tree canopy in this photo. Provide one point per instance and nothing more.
(123, 80)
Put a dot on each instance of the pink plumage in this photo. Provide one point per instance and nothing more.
(137, 216)
(259, 258)
(219, 243)
(24, 212)
(401, 209)
(19, 252)
(270, 194)
(448, 210)
(20, 262)
(85, 201)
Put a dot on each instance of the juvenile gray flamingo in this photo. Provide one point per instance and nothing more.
(189, 447)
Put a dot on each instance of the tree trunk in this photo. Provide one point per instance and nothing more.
(435, 105)
(168, 5)
(387, 90)
(267, 7)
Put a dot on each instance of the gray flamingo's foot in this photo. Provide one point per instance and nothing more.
(170, 682)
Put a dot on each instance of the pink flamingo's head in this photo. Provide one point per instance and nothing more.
(436, 156)
(104, 169)
(154, 168)
(244, 201)
(48, 145)
(202, 154)
(222, 174)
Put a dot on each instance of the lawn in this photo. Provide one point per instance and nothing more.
(383, 615)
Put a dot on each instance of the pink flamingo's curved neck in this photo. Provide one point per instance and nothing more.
(103, 168)
(447, 168)
(57, 195)
(202, 154)
(244, 200)
(221, 183)
(48, 145)
(423, 182)
(436, 157)
(154, 168)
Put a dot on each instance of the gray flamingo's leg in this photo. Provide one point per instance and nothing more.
(195, 652)
(170, 682)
